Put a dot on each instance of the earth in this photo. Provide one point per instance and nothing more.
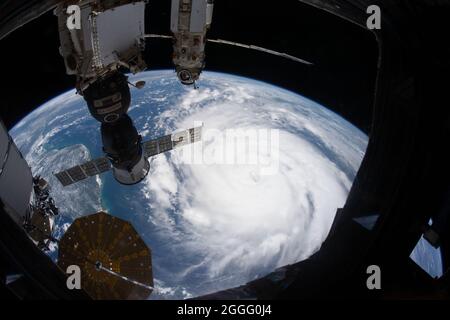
(211, 224)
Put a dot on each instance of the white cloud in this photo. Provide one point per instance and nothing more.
(234, 218)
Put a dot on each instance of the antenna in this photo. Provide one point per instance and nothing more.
(241, 45)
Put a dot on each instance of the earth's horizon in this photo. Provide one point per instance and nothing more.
(210, 225)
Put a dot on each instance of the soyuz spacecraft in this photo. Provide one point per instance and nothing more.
(126, 155)
(108, 43)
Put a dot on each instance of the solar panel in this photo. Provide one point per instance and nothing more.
(76, 173)
(89, 168)
(165, 143)
(150, 148)
(180, 139)
(102, 164)
(114, 260)
(168, 142)
(83, 171)
(64, 178)
(196, 134)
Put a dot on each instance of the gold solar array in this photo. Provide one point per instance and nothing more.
(101, 241)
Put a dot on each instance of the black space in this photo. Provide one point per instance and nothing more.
(342, 78)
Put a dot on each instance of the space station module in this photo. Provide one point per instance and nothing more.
(189, 22)
(110, 37)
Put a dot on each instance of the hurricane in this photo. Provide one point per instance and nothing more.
(258, 192)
